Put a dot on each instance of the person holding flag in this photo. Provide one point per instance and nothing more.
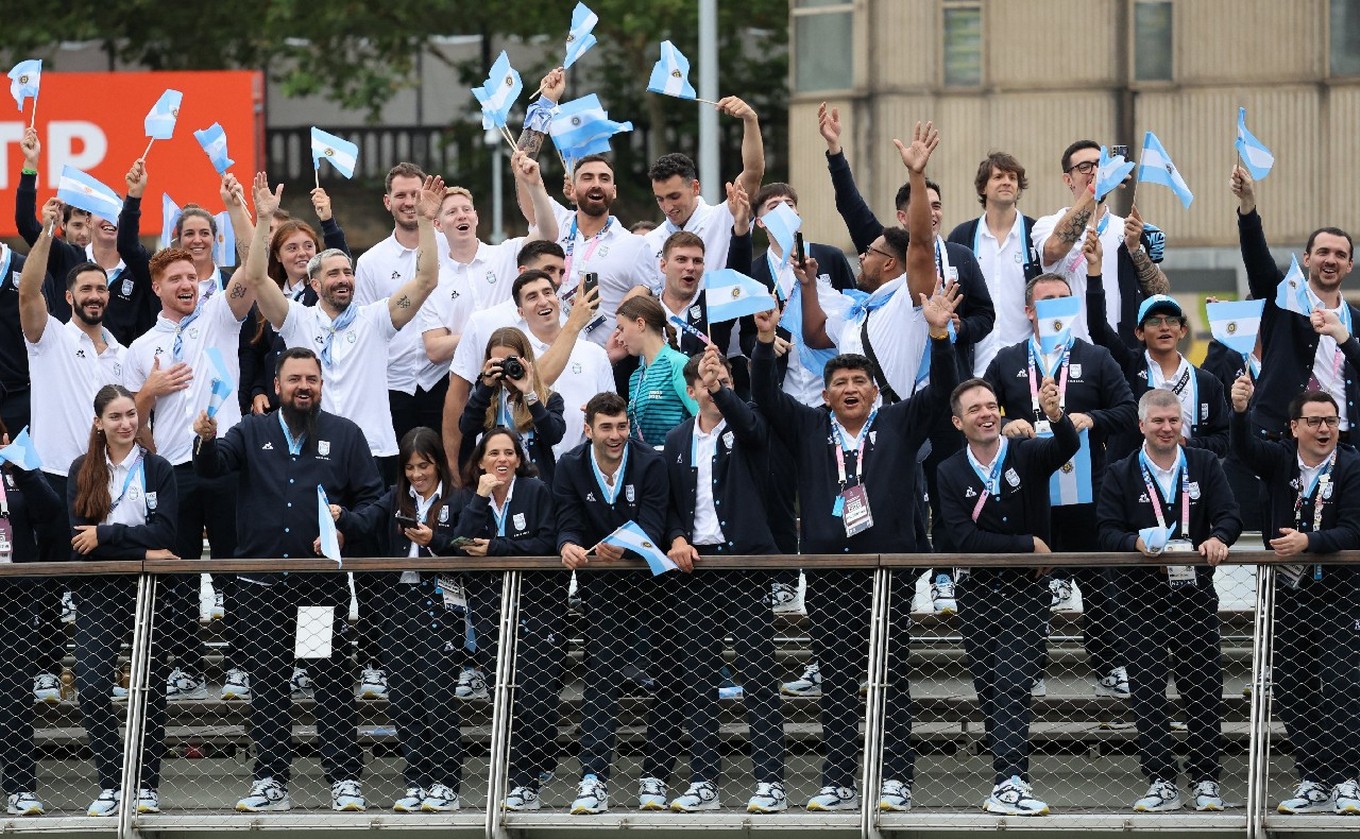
(1310, 343)
(1095, 395)
(611, 479)
(1170, 500)
(1235, 351)
(280, 458)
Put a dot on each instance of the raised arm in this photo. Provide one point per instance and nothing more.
(130, 247)
(1102, 334)
(273, 304)
(1070, 228)
(863, 225)
(407, 300)
(553, 361)
(1263, 275)
(921, 277)
(32, 306)
(529, 179)
(814, 316)
(233, 197)
(752, 146)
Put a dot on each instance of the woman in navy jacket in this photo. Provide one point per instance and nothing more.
(524, 403)
(123, 505)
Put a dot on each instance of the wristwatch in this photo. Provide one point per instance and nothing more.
(531, 398)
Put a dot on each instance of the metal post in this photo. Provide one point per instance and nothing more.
(139, 665)
(710, 172)
(1258, 750)
(871, 769)
(493, 142)
(502, 705)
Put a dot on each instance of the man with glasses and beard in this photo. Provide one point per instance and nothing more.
(282, 458)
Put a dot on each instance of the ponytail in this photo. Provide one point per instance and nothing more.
(93, 502)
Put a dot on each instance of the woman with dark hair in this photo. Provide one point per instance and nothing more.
(26, 500)
(510, 513)
(425, 622)
(123, 505)
(509, 393)
(657, 398)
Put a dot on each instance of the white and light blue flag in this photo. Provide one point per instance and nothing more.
(499, 92)
(170, 213)
(1055, 318)
(213, 139)
(341, 153)
(781, 223)
(330, 539)
(1155, 167)
(24, 81)
(1292, 292)
(731, 294)
(160, 120)
(670, 76)
(1110, 173)
(1235, 323)
(631, 537)
(1255, 156)
(81, 190)
(580, 39)
(21, 452)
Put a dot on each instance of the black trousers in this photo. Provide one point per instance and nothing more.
(421, 701)
(266, 646)
(838, 608)
(695, 613)
(204, 504)
(54, 545)
(105, 609)
(615, 602)
(541, 651)
(1074, 529)
(1316, 674)
(1174, 632)
(19, 616)
(1004, 615)
(412, 410)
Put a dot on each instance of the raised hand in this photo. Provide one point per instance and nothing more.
(740, 205)
(230, 191)
(1242, 390)
(939, 309)
(30, 147)
(925, 138)
(829, 124)
(1094, 251)
(525, 168)
(1133, 229)
(266, 201)
(431, 197)
(136, 179)
(1244, 187)
(554, 84)
(734, 106)
(766, 323)
(321, 202)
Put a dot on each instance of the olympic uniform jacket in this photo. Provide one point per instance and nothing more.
(160, 500)
(548, 428)
(32, 504)
(530, 521)
(379, 520)
(584, 516)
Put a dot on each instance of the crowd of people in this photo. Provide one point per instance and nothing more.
(548, 390)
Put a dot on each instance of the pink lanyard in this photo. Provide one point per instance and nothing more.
(839, 446)
(1034, 367)
(1155, 495)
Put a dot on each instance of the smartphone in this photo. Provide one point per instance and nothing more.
(407, 521)
(589, 282)
(1120, 149)
(799, 254)
(462, 541)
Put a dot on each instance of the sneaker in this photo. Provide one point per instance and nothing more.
(702, 795)
(592, 796)
(808, 684)
(651, 794)
(1061, 595)
(439, 798)
(219, 607)
(1308, 797)
(410, 802)
(373, 685)
(301, 683)
(834, 798)
(942, 596)
(47, 688)
(731, 692)
(237, 684)
(522, 799)
(1114, 684)
(23, 804)
(1014, 797)
(1039, 689)
(1347, 795)
(68, 607)
(181, 685)
(348, 797)
(786, 599)
(1207, 797)
(769, 798)
(105, 805)
(266, 795)
(471, 684)
(148, 800)
(1161, 796)
(894, 797)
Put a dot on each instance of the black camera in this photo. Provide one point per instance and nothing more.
(512, 367)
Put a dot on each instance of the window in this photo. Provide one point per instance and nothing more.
(824, 54)
(963, 44)
(1152, 41)
(1345, 26)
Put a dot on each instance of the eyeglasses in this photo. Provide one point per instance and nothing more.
(1314, 422)
(872, 249)
(1086, 167)
(1162, 320)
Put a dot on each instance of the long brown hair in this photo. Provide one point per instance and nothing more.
(93, 501)
(276, 271)
(649, 310)
(509, 336)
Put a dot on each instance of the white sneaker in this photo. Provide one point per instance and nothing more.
(651, 794)
(894, 797)
(1207, 797)
(769, 798)
(68, 607)
(702, 795)
(1039, 689)
(301, 682)
(148, 800)
(47, 688)
(181, 685)
(471, 684)
(592, 796)
(410, 802)
(348, 797)
(1014, 797)
(236, 685)
(834, 798)
(266, 795)
(373, 685)
(808, 684)
(219, 607)
(1114, 684)
(522, 799)
(1162, 796)
(105, 805)
(23, 804)
(1347, 796)
(942, 595)
(787, 599)
(1061, 595)
(1308, 797)
(440, 798)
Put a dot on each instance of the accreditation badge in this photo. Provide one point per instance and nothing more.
(855, 510)
(450, 588)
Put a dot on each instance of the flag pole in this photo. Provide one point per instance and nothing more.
(148, 148)
(316, 174)
(33, 120)
(706, 101)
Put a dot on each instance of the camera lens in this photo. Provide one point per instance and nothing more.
(513, 368)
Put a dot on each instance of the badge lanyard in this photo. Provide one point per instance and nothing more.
(590, 247)
(294, 446)
(609, 494)
(1320, 483)
(1186, 381)
(991, 483)
(137, 470)
(1036, 365)
(841, 447)
(1155, 494)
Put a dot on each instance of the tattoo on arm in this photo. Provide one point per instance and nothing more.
(403, 302)
(1073, 226)
(531, 142)
(1150, 276)
(238, 290)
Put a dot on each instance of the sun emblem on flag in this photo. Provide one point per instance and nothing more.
(1067, 468)
(330, 152)
(1057, 326)
(570, 37)
(575, 120)
(648, 545)
(23, 79)
(675, 74)
(1171, 170)
(174, 112)
(509, 81)
(736, 293)
(1232, 327)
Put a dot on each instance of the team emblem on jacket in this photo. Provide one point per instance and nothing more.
(1012, 477)
(127, 287)
(1193, 489)
(151, 501)
(604, 251)
(491, 277)
(629, 493)
(518, 521)
(444, 514)
(970, 493)
(727, 440)
(323, 447)
(696, 311)
(1075, 370)
(1327, 489)
(134, 493)
(1203, 411)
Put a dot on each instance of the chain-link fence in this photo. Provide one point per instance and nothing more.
(536, 699)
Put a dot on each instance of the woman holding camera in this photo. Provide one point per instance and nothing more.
(510, 393)
(657, 397)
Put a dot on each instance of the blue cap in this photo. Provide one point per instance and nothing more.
(1162, 303)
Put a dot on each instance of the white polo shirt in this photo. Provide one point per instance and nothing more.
(586, 374)
(710, 222)
(897, 331)
(66, 373)
(491, 273)
(215, 327)
(477, 329)
(448, 307)
(1073, 267)
(622, 259)
(1003, 267)
(799, 382)
(353, 385)
(383, 269)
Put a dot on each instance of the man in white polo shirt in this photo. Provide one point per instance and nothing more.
(203, 333)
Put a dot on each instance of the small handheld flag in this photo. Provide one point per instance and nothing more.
(1055, 318)
(580, 39)
(222, 383)
(170, 213)
(1292, 292)
(731, 294)
(1255, 156)
(330, 538)
(224, 246)
(631, 537)
(1235, 323)
(1111, 173)
(1156, 167)
(670, 76)
(213, 139)
(781, 223)
(160, 120)
(341, 153)
(498, 93)
(81, 190)
(25, 79)
(21, 452)
(582, 126)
